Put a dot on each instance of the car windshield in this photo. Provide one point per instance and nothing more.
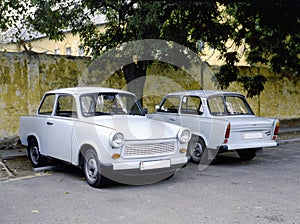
(228, 105)
(98, 104)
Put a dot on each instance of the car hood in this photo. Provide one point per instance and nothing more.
(137, 127)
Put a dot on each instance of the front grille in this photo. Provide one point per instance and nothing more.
(158, 149)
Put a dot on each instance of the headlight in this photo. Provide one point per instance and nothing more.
(116, 139)
(184, 135)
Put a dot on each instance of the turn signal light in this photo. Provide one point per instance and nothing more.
(183, 150)
(116, 156)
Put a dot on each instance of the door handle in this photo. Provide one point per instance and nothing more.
(49, 123)
(172, 119)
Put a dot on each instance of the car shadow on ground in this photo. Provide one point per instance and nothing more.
(21, 167)
(227, 159)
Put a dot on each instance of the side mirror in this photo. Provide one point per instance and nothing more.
(145, 110)
(156, 107)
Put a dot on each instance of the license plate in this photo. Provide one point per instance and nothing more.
(252, 135)
(155, 164)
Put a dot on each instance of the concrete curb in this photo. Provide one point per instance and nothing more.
(5, 169)
(289, 141)
(12, 153)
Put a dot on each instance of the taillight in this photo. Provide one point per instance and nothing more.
(227, 134)
(276, 130)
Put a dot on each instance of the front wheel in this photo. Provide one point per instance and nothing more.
(34, 153)
(246, 154)
(196, 149)
(91, 169)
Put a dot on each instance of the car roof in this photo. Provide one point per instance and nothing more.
(203, 93)
(85, 90)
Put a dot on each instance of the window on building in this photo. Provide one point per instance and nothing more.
(201, 45)
(68, 51)
(80, 51)
(56, 51)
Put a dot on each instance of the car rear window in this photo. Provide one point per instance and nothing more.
(228, 105)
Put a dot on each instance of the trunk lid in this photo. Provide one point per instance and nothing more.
(250, 123)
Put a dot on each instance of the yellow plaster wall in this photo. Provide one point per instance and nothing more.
(280, 98)
(24, 77)
(23, 80)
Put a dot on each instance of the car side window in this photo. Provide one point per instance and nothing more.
(66, 106)
(216, 105)
(170, 105)
(191, 105)
(47, 105)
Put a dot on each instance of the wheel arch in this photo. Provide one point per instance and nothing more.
(199, 135)
(32, 136)
(83, 150)
(29, 137)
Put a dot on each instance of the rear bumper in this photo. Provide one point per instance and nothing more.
(131, 172)
(228, 147)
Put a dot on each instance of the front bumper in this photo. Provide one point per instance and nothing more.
(132, 172)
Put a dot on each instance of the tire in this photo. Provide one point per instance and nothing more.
(34, 153)
(196, 149)
(246, 154)
(92, 171)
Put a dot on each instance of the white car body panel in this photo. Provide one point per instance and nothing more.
(249, 131)
(246, 131)
(145, 140)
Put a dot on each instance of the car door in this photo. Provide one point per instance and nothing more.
(169, 109)
(193, 116)
(45, 112)
(60, 128)
(191, 113)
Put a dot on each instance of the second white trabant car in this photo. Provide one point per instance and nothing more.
(105, 132)
(203, 112)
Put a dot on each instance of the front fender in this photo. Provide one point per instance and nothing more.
(89, 135)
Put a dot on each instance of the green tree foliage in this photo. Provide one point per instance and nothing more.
(268, 31)
(13, 14)
(271, 31)
(7, 12)
(254, 85)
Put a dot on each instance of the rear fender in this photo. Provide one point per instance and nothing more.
(217, 133)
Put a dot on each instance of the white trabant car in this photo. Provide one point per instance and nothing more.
(202, 111)
(105, 132)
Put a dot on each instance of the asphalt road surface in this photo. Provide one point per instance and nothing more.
(264, 190)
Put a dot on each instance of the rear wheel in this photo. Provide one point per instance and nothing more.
(34, 153)
(92, 171)
(246, 154)
(196, 149)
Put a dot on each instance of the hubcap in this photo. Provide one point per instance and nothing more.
(34, 154)
(198, 150)
(91, 169)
